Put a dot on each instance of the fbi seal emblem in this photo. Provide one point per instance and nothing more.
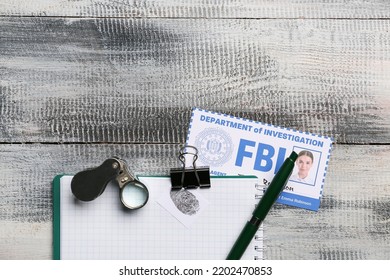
(215, 146)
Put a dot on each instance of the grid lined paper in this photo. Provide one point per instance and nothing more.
(103, 229)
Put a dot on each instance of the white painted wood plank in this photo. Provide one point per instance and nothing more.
(365, 9)
(136, 80)
(354, 218)
(352, 223)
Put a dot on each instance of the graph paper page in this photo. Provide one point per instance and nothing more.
(103, 229)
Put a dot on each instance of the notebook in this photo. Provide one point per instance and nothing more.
(103, 229)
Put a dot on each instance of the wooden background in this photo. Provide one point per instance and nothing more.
(81, 81)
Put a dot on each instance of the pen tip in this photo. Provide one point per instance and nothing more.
(293, 156)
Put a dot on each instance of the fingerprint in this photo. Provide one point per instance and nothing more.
(185, 201)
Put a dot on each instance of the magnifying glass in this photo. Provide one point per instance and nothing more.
(133, 193)
(89, 184)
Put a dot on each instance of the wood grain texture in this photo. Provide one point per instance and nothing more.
(136, 80)
(120, 78)
(199, 8)
(352, 223)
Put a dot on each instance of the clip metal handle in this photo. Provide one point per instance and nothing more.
(189, 177)
(89, 184)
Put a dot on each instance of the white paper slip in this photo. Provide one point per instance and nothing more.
(231, 146)
(185, 205)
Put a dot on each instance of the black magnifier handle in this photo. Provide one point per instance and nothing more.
(89, 184)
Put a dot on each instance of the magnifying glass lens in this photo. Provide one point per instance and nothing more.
(134, 195)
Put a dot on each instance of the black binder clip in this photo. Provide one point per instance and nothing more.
(189, 177)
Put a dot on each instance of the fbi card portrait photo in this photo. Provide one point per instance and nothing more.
(306, 166)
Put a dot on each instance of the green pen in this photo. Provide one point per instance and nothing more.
(277, 185)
